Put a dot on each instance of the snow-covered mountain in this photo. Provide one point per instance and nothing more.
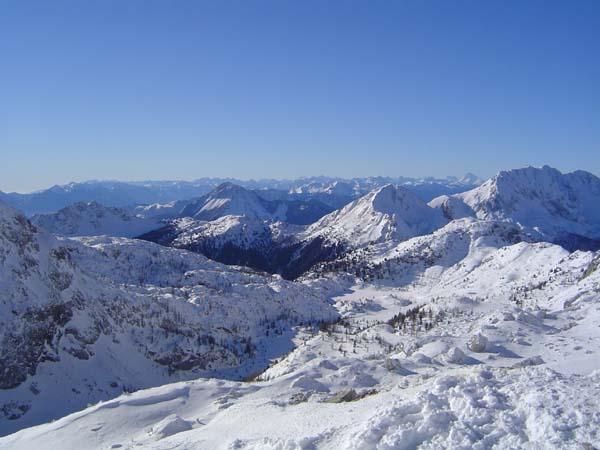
(499, 350)
(562, 207)
(389, 213)
(229, 199)
(167, 210)
(424, 256)
(337, 187)
(332, 191)
(236, 240)
(82, 321)
(471, 179)
(329, 190)
(108, 193)
(93, 219)
(454, 324)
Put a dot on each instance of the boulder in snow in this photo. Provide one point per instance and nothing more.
(477, 343)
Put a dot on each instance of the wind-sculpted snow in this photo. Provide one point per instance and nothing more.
(563, 208)
(84, 321)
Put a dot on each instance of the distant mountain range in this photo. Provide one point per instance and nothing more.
(333, 191)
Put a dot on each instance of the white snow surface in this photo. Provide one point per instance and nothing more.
(369, 384)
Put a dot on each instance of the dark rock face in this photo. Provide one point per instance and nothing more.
(36, 337)
(305, 255)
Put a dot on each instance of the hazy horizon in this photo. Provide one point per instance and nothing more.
(249, 179)
(160, 90)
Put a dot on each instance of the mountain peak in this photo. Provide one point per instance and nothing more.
(387, 198)
(384, 214)
(231, 199)
(470, 179)
(228, 187)
(560, 205)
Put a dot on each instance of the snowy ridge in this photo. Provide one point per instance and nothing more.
(557, 205)
(422, 256)
(93, 219)
(389, 213)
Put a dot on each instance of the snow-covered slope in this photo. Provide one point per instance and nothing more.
(82, 321)
(238, 231)
(562, 207)
(93, 219)
(469, 333)
(418, 257)
(390, 213)
(499, 352)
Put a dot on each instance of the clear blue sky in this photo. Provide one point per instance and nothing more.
(140, 89)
